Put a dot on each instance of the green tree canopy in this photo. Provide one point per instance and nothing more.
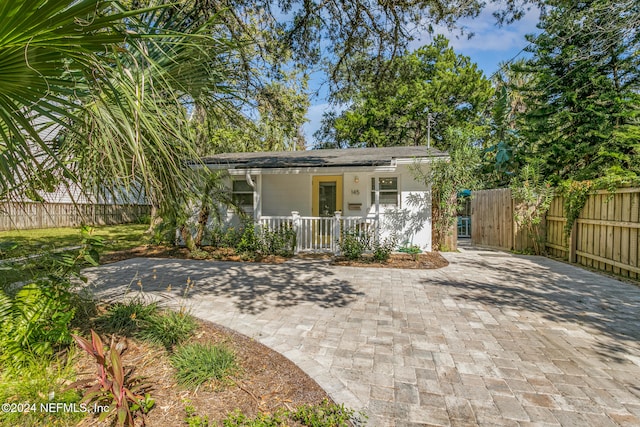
(393, 109)
(273, 121)
(272, 87)
(330, 33)
(584, 96)
(503, 153)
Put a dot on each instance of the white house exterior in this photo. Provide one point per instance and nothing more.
(71, 193)
(335, 189)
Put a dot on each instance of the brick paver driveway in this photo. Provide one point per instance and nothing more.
(493, 339)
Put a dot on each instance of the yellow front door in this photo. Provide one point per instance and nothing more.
(326, 200)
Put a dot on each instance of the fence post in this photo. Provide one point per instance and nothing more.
(336, 232)
(573, 243)
(295, 219)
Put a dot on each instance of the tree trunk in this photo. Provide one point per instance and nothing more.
(203, 218)
(156, 219)
(186, 236)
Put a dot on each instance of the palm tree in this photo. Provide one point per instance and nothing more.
(118, 87)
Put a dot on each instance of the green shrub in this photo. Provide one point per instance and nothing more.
(36, 319)
(215, 235)
(36, 322)
(280, 241)
(127, 318)
(250, 242)
(199, 254)
(163, 233)
(382, 249)
(192, 418)
(325, 414)
(238, 419)
(412, 250)
(169, 328)
(143, 219)
(354, 242)
(231, 237)
(197, 363)
(6, 247)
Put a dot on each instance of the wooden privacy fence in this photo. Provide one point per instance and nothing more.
(22, 216)
(605, 236)
(492, 221)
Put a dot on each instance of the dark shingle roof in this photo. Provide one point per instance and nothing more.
(321, 158)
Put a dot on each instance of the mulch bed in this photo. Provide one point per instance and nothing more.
(266, 381)
(428, 260)
(157, 251)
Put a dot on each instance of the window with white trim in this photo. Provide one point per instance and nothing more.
(388, 191)
(242, 193)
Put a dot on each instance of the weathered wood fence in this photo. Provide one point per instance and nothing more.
(22, 216)
(492, 221)
(605, 236)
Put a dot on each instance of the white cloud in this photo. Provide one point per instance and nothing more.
(487, 35)
(491, 44)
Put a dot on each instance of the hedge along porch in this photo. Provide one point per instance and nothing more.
(322, 192)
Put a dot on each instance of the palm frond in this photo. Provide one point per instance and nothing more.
(118, 86)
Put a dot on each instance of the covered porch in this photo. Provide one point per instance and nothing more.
(320, 234)
(321, 194)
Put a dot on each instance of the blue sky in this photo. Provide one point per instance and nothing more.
(489, 46)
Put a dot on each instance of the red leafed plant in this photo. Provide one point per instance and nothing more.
(113, 388)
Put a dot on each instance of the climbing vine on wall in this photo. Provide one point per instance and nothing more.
(576, 194)
(532, 196)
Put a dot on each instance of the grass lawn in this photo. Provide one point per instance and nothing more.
(116, 237)
(29, 242)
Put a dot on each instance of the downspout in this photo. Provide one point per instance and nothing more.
(247, 177)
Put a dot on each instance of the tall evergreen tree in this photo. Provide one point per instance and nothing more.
(504, 147)
(584, 102)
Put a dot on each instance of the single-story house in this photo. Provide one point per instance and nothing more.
(322, 192)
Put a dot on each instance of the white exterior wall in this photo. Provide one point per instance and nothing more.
(415, 205)
(284, 193)
(355, 193)
(410, 220)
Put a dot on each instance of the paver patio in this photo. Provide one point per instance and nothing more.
(492, 339)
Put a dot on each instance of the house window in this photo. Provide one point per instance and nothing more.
(388, 191)
(242, 194)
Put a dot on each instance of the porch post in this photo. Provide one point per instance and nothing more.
(295, 219)
(336, 232)
(257, 199)
(376, 230)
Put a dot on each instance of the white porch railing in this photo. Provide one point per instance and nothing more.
(319, 234)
